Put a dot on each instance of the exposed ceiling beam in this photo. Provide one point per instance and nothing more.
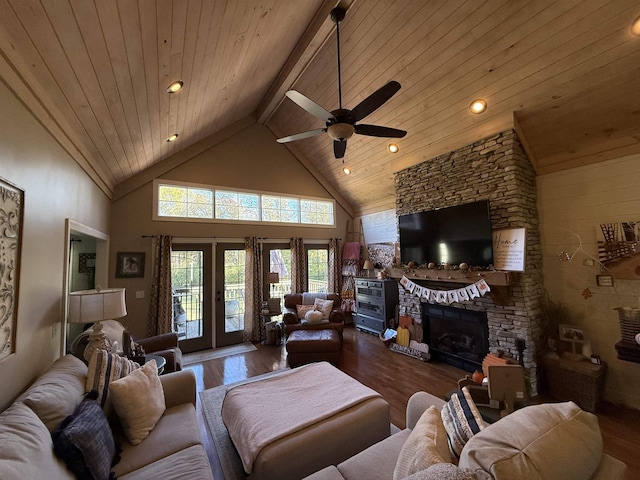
(319, 31)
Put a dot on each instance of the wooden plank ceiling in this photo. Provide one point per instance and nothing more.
(95, 73)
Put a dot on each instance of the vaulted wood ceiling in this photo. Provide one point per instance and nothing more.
(564, 73)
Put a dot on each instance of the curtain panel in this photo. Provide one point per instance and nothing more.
(298, 266)
(335, 266)
(161, 307)
(253, 332)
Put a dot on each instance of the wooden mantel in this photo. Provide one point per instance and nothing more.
(493, 278)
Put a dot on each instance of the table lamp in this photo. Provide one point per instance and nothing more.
(273, 303)
(94, 306)
(368, 265)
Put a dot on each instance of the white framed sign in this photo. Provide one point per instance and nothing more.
(509, 249)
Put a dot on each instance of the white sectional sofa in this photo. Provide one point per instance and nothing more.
(549, 441)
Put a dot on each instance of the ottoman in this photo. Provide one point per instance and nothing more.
(307, 346)
(301, 420)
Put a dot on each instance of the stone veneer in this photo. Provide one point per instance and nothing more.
(495, 168)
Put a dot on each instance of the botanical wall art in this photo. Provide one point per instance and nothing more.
(11, 213)
(619, 249)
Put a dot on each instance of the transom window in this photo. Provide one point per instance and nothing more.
(208, 203)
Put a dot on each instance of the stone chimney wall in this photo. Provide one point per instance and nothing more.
(495, 169)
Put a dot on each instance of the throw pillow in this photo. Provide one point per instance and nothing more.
(314, 317)
(138, 400)
(325, 307)
(302, 310)
(425, 446)
(443, 471)
(462, 420)
(104, 368)
(84, 441)
(554, 441)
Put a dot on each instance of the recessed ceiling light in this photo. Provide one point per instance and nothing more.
(635, 27)
(393, 148)
(172, 138)
(346, 170)
(175, 87)
(478, 106)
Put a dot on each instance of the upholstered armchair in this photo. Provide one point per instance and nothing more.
(165, 345)
(293, 322)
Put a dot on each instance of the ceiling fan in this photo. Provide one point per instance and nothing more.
(341, 123)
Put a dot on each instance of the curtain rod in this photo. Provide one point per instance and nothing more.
(210, 236)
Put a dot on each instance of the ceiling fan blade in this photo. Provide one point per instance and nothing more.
(375, 100)
(377, 131)
(310, 106)
(300, 136)
(339, 147)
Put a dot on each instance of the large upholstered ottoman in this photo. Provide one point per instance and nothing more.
(298, 422)
(307, 346)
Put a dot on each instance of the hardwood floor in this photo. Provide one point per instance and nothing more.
(396, 377)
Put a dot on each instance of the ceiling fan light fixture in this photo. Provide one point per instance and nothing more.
(393, 148)
(478, 106)
(346, 170)
(341, 131)
(175, 87)
(635, 27)
(172, 138)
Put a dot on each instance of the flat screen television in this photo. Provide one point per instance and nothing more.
(454, 235)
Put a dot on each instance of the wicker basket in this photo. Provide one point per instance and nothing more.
(581, 382)
(629, 323)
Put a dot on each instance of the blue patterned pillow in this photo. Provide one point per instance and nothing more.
(462, 420)
(84, 441)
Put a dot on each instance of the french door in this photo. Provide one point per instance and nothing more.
(229, 293)
(191, 280)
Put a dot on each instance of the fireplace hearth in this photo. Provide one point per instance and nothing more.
(456, 336)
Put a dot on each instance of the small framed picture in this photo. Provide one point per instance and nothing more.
(604, 280)
(130, 265)
(569, 333)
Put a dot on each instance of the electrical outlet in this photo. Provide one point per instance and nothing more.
(140, 294)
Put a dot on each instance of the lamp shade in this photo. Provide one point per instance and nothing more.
(274, 277)
(367, 265)
(90, 306)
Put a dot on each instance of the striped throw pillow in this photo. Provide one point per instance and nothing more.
(462, 420)
(104, 368)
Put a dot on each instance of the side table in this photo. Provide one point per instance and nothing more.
(579, 381)
(266, 317)
(161, 362)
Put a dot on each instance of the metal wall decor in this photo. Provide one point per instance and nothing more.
(11, 218)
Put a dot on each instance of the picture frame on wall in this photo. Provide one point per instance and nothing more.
(11, 226)
(604, 280)
(130, 265)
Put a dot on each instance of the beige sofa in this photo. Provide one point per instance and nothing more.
(549, 441)
(172, 450)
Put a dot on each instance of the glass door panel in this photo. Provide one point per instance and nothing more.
(190, 283)
(277, 259)
(230, 293)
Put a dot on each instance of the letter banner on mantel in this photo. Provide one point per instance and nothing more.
(445, 297)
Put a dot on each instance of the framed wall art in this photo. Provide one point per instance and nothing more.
(130, 265)
(11, 221)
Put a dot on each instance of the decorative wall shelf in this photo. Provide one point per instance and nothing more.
(493, 278)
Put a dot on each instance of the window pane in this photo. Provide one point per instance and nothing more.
(188, 293)
(317, 270)
(194, 202)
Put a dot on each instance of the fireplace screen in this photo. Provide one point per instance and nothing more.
(456, 336)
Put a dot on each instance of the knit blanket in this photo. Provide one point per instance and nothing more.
(259, 413)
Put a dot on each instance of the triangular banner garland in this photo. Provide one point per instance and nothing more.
(475, 290)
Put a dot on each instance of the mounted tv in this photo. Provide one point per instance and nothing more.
(454, 235)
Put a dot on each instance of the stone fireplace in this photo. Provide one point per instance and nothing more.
(495, 168)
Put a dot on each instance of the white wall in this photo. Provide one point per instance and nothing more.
(572, 205)
(55, 189)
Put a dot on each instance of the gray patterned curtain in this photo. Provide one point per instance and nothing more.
(335, 266)
(298, 266)
(161, 309)
(253, 291)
